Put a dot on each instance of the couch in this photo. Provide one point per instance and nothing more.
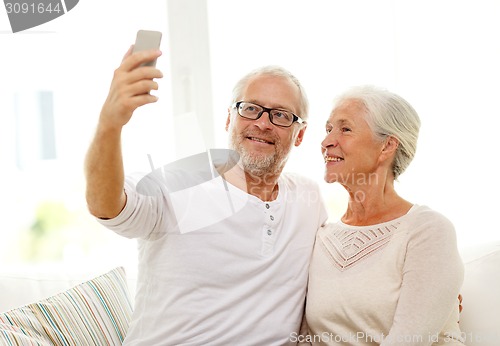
(480, 318)
(56, 305)
(107, 299)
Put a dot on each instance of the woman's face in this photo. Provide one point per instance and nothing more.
(350, 149)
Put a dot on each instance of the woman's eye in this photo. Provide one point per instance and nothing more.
(346, 129)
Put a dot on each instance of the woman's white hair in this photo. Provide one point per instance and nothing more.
(276, 71)
(388, 114)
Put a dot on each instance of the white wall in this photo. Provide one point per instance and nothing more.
(441, 55)
(75, 56)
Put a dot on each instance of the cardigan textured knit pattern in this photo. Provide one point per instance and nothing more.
(394, 283)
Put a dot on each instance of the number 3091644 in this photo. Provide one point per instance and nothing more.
(32, 8)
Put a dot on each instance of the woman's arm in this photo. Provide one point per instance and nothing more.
(432, 277)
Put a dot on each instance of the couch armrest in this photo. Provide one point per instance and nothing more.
(480, 318)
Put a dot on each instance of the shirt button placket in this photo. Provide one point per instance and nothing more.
(268, 236)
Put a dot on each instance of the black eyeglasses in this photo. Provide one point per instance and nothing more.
(277, 117)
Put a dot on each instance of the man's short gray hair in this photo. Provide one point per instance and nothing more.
(277, 71)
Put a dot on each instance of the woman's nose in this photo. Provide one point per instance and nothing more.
(329, 140)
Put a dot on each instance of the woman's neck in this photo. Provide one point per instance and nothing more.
(373, 204)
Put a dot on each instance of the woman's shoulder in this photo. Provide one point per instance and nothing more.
(426, 221)
(425, 214)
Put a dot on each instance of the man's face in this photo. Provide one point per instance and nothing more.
(263, 146)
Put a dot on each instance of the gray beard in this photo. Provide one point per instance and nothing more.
(258, 164)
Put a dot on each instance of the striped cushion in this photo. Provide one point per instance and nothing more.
(96, 312)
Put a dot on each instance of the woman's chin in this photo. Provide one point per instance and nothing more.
(330, 178)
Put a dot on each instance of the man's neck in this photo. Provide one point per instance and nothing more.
(264, 187)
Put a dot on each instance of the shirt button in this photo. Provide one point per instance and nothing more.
(269, 232)
(271, 217)
(267, 206)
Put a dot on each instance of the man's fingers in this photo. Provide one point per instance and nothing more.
(142, 87)
(145, 72)
(134, 60)
(122, 106)
(141, 100)
(131, 86)
(129, 52)
(137, 82)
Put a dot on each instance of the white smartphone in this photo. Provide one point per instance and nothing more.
(147, 39)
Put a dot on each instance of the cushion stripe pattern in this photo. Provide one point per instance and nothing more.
(96, 312)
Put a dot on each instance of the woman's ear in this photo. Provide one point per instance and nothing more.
(390, 146)
(391, 143)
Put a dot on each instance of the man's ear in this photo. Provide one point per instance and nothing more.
(300, 135)
(228, 120)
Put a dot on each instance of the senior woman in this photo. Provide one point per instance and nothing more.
(389, 272)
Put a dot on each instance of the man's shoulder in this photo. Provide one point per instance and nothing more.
(298, 181)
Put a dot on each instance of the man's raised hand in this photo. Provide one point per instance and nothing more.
(130, 87)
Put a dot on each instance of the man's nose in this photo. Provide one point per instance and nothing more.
(264, 120)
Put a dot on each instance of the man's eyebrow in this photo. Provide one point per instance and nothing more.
(274, 105)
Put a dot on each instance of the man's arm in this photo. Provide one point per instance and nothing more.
(104, 164)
